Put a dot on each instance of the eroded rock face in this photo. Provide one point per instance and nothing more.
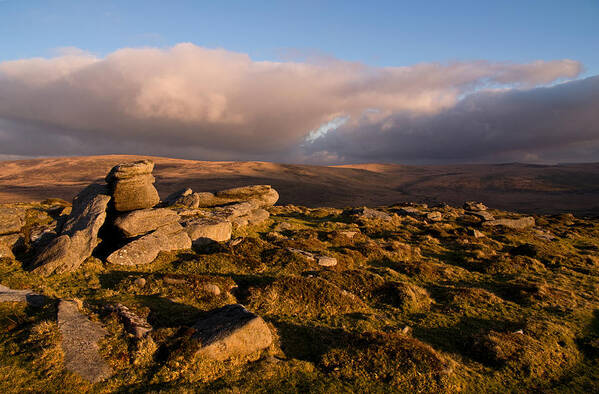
(80, 338)
(145, 249)
(231, 331)
(8, 243)
(143, 221)
(79, 235)
(206, 230)
(517, 224)
(132, 186)
(11, 220)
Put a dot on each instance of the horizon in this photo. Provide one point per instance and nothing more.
(385, 83)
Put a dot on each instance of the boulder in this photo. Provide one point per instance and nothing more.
(255, 216)
(259, 195)
(206, 230)
(43, 233)
(231, 331)
(79, 235)
(8, 243)
(517, 224)
(434, 216)
(80, 338)
(369, 214)
(132, 186)
(326, 261)
(171, 198)
(145, 249)
(11, 220)
(484, 215)
(188, 201)
(474, 206)
(143, 221)
(135, 325)
(28, 296)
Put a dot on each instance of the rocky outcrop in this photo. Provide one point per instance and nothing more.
(231, 331)
(145, 249)
(132, 186)
(369, 214)
(474, 206)
(143, 221)
(11, 220)
(259, 196)
(80, 338)
(79, 235)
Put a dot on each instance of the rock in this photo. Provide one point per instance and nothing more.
(545, 235)
(135, 325)
(474, 206)
(8, 244)
(41, 234)
(475, 233)
(348, 234)
(484, 215)
(206, 230)
(11, 220)
(171, 198)
(255, 216)
(211, 288)
(132, 186)
(145, 249)
(326, 261)
(189, 201)
(141, 282)
(79, 235)
(411, 211)
(80, 338)
(236, 241)
(368, 213)
(434, 216)
(259, 195)
(517, 224)
(231, 331)
(143, 221)
(303, 253)
(28, 296)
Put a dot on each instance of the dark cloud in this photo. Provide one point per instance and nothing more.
(200, 103)
(559, 123)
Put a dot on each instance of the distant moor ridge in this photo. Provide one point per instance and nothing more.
(516, 187)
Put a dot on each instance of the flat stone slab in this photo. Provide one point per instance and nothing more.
(145, 249)
(206, 230)
(28, 296)
(80, 338)
(231, 331)
(143, 221)
(517, 224)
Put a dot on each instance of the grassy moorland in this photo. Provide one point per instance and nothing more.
(412, 305)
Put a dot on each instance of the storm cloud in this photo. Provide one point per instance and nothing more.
(192, 102)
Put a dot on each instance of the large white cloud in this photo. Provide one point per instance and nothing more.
(215, 104)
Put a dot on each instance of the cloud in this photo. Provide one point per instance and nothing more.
(194, 102)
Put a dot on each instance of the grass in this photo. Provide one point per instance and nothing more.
(411, 306)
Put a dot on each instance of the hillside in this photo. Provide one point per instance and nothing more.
(515, 187)
(236, 292)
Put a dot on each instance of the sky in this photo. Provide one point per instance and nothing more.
(306, 82)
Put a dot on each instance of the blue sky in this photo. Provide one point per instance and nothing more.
(382, 33)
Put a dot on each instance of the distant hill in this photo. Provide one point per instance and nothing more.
(516, 187)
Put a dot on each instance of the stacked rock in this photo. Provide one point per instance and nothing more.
(132, 186)
(126, 204)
